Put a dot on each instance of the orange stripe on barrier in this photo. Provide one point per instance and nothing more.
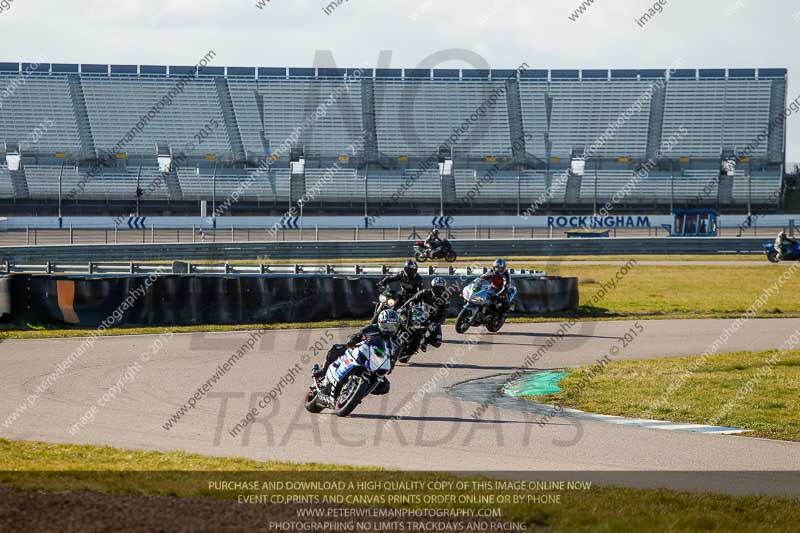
(66, 300)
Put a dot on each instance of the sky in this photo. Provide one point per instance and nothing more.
(411, 33)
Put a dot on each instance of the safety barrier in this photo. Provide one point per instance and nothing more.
(192, 299)
(378, 249)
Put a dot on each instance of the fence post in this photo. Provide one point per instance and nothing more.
(28, 234)
(399, 237)
(194, 231)
(71, 236)
(152, 233)
(233, 234)
(514, 232)
(355, 233)
(116, 233)
(316, 232)
(476, 232)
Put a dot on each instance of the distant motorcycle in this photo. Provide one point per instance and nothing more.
(359, 372)
(414, 323)
(479, 310)
(792, 252)
(423, 252)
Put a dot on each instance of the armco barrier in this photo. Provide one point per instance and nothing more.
(378, 249)
(224, 299)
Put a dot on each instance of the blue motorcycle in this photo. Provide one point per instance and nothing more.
(792, 252)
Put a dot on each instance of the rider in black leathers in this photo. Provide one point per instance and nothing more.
(408, 278)
(434, 242)
(436, 303)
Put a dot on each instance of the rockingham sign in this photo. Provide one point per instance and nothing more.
(616, 221)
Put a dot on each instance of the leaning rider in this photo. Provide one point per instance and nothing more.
(436, 302)
(388, 322)
(501, 282)
(409, 279)
(782, 243)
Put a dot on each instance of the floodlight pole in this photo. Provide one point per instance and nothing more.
(138, 184)
(214, 191)
(366, 192)
(671, 187)
(594, 205)
(60, 177)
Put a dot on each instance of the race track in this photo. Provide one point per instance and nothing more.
(434, 430)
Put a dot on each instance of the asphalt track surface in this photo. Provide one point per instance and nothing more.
(432, 430)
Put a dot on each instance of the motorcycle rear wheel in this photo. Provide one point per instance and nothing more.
(350, 395)
(421, 257)
(463, 321)
(496, 323)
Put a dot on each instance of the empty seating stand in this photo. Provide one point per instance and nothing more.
(395, 119)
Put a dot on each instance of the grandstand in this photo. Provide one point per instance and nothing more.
(513, 136)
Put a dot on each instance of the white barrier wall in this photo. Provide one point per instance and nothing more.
(349, 222)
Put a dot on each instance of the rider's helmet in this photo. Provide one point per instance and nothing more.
(438, 286)
(499, 266)
(410, 268)
(388, 321)
(435, 232)
(782, 235)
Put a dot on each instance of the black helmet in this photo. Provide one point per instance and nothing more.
(434, 231)
(438, 286)
(499, 266)
(410, 268)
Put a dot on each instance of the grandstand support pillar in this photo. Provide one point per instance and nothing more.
(519, 193)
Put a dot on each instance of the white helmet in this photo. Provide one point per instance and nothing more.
(388, 321)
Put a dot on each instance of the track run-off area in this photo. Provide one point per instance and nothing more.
(128, 391)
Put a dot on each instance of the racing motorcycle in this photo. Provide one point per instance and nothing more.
(359, 372)
(414, 323)
(479, 309)
(423, 252)
(792, 252)
(388, 299)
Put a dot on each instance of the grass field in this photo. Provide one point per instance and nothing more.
(646, 292)
(759, 391)
(56, 467)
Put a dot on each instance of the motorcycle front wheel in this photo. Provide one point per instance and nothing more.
(311, 402)
(463, 321)
(772, 257)
(450, 256)
(350, 395)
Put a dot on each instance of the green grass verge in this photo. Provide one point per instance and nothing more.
(759, 391)
(109, 470)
